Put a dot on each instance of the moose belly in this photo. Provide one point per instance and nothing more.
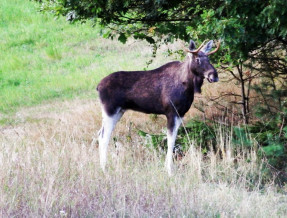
(145, 105)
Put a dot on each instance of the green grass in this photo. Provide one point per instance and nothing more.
(43, 58)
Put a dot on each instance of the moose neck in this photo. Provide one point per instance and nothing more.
(195, 80)
(184, 74)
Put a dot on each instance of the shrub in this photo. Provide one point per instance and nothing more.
(264, 138)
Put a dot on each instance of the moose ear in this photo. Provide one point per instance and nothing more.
(191, 45)
(207, 47)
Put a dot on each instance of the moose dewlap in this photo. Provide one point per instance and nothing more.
(167, 90)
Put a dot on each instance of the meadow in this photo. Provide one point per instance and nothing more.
(49, 118)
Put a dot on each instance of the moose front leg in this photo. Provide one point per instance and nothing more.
(173, 123)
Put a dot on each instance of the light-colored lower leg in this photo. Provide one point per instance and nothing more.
(171, 136)
(105, 132)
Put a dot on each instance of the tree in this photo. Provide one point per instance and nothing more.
(243, 25)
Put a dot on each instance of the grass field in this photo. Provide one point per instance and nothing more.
(49, 167)
(50, 116)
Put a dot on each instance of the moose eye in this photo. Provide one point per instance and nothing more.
(197, 60)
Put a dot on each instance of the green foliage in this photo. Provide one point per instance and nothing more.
(272, 112)
(241, 137)
(243, 25)
(273, 142)
(197, 132)
(264, 138)
(153, 141)
(200, 133)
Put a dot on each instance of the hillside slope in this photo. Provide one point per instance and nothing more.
(42, 57)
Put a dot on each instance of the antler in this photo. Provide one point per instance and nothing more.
(215, 50)
(193, 51)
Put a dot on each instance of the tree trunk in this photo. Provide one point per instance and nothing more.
(244, 99)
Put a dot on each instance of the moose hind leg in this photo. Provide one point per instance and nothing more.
(108, 124)
(173, 123)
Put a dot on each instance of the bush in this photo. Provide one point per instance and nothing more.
(273, 142)
(265, 138)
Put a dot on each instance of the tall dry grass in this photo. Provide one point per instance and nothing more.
(49, 168)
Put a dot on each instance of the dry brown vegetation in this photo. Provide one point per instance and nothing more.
(49, 167)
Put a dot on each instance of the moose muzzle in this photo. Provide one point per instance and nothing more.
(212, 77)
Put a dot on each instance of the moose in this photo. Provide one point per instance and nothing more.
(167, 90)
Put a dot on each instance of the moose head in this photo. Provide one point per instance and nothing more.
(200, 65)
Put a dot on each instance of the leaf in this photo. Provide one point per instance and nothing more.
(122, 38)
(149, 39)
